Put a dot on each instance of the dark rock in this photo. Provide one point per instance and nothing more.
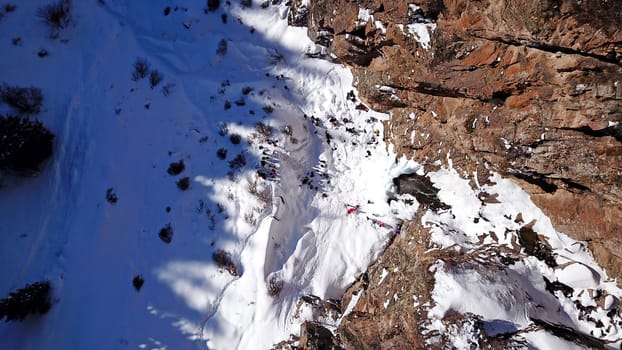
(314, 336)
(552, 287)
(535, 246)
(422, 188)
(571, 335)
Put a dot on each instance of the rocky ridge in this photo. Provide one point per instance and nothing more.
(528, 89)
(532, 90)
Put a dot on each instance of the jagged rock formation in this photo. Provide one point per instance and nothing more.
(370, 325)
(530, 89)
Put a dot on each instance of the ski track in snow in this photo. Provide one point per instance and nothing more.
(112, 132)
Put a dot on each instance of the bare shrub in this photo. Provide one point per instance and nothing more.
(275, 286)
(238, 162)
(275, 57)
(252, 187)
(155, 78)
(167, 89)
(25, 100)
(24, 145)
(183, 183)
(222, 47)
(166, 234)
(56, 15)
(264, 130)
(176, 168)
(250, 219)
(111, 197)
(138, 282)
(287, 130)
(212, 5)
(221, 153)
(224, 261)
(141, 69)
(224, 85)
(264, 194)
(231, 176)
(33, 299)
(235, 139)
(223, 129)
(268, 109)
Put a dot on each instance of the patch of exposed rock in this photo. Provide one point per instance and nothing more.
(530, 89)
(374, 322)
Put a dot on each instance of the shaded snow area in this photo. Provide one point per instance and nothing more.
(197, 206)
(274, 154)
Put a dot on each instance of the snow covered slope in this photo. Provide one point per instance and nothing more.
(275, 204)
(288, 176)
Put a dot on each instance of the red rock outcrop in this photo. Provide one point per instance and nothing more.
(530, 89)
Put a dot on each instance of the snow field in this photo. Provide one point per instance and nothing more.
(121, 135)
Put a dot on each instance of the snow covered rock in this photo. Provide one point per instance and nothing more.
(531, 89)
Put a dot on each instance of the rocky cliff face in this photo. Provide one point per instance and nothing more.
(530, 89)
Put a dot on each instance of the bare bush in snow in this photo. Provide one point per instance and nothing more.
(155, 78)
(263, 194)
(222, 47)
(275, 286)
(33, 299)
(264, 130)
(238, 162)
(141, 69)
(212, 5)
(175, 168)
(56, 15)
(224, 261)
(24, 100)
(24, 144)
(183, 183)
(221, 153)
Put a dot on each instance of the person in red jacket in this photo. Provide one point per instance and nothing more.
(353, 209)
